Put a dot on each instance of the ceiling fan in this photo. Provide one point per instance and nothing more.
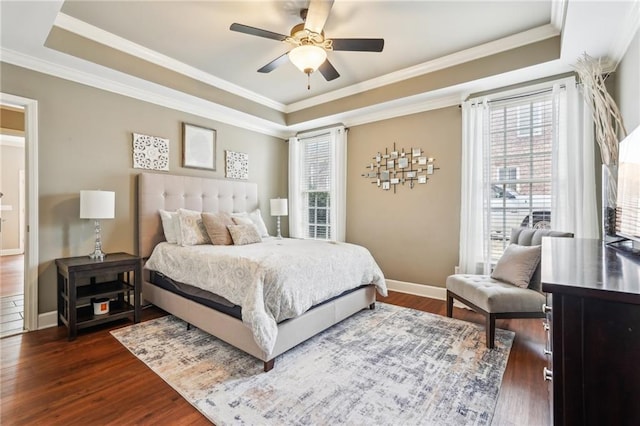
(310, 45)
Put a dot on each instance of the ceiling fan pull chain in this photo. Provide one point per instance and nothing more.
(308, 81)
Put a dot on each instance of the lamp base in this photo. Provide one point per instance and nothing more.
(97, 254)
(279, 236)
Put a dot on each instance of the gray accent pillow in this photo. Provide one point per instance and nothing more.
(244, 234)
(517, 265)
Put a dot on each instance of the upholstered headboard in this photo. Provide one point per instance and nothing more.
(171, 192)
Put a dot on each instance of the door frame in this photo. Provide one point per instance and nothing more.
(31, 257)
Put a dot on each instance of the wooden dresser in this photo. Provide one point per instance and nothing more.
(594, 332)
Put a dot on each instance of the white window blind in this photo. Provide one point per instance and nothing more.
(316, 186)
(521, 134)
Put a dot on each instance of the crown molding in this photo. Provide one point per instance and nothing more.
(160, 95)
(628, 29)
(507, 43)
(106, 38)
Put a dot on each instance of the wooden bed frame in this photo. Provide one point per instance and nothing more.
(170, 192)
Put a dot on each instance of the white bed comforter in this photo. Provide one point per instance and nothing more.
(273, 280)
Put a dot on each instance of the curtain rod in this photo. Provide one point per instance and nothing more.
(524, 95)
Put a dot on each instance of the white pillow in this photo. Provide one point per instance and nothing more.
(192, 231)
(168, 225)
(256, 218)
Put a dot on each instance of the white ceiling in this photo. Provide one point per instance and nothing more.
(194, 38)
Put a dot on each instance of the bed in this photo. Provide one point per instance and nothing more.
(171, 192)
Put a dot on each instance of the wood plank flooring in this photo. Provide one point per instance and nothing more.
(94, 380)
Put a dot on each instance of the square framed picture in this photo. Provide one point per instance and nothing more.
(415, 152)
(430, 169)
(403, 162)
(422, 179)
(150, 152)
(410, 175)
(198, 147)
(237, 165)
(422, 161)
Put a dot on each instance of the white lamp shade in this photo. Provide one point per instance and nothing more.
(307, 58)
(97, 204)
(279, 207)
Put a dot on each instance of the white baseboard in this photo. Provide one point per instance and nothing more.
(47, 320)
(424, 290)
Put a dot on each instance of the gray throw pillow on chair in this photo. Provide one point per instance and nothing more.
(517, 265)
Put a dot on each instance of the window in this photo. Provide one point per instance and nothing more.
(317, 185)
(521, 136)
(534, 170)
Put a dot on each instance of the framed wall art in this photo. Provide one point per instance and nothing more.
(198, 147)
(150, 152)
(399, 167)
(237, 165)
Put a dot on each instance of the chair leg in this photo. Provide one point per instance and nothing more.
(491, 330)
(449, 304)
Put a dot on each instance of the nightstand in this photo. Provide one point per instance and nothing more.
(81, 280)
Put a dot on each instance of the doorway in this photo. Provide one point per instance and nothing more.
(19, 239)
(12, 211)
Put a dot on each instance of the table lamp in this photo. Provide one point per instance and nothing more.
(97, 205)
(279, 208)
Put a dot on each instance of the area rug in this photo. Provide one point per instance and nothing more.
(387, 366)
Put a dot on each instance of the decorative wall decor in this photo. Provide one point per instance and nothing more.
(402, 167)
(198, 147)
(150, 152)
(237, 165)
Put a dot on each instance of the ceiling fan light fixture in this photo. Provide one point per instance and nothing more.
(307, 58)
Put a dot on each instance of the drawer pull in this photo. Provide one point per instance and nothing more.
(547, 352)
(545, 325)
(546, 308)
(547, 374)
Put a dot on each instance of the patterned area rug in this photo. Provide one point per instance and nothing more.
(390, 366)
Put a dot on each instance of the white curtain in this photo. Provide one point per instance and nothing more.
(339, 183)
(474, 249)
(295, 195)
(573, 190)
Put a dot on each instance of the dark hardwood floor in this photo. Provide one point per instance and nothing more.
(45, 379)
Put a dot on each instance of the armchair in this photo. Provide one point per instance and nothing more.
(497, 299)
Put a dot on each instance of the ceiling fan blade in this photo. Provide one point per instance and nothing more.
(317, 15)
(358, 44)
(257, 32)
(328, 71)
(274, 64)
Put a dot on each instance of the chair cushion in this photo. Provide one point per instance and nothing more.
(494, 296)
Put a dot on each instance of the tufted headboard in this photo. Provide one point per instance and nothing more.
(171, 192)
